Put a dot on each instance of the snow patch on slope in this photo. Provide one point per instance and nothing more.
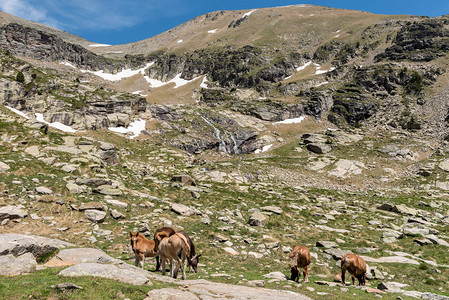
(212, 31)
(124, 73)
(291, 121)
(57, 125)
(135, 128)
(248, 13)
(17, 112)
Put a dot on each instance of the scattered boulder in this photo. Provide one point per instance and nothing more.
(94, 215)
(337, 277)
(336, 253)
(4, 167)
(184, 179)
(390, 235)
(73, 256)
(108, 190)
(256, 283)
(275, 275)
(345, 168)
(12, 212)
(43, 190)
(13, 266)
(117, 215)
(90, 205)
(374, 291)
(326, 244)
(96, 182)
(319, 148)
(416, 229)
(400, 209)
(231, 251)
(182, 209)
(273, 209)
(74, 188)
(257, 219)
(105, 271)
(117, 203)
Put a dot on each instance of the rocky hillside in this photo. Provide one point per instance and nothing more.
(330, 132)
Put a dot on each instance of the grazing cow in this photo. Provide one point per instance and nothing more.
(194, 258)
(356, 267)
(170, 248)
(142, 247)
(301, 259)
(170, 231)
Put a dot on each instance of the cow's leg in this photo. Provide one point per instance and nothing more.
(353, 279)
(137, 260)
(158, 265)
(176, 269)
(343, 272)
(162, 265)
(183, 266)
(305, 273)
(142, 259)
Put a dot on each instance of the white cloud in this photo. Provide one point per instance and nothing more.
(25, 10)
(88, 14)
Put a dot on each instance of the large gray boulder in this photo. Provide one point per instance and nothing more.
(12, 212)
(13, 266)
(105, 271)
(73, 256)
(17, 244)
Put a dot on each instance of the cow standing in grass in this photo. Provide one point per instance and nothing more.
(194, 258)
(356, 266)
(142, 247)
(170, 248)
(301, 259)
(169, 231)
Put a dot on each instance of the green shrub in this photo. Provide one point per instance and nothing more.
(20, 77)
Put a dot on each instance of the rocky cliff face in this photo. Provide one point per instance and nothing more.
(64, 99)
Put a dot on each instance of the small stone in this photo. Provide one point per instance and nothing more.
(326, 244)
(182, 209)
(256, 283)
(117, 215)
(374, 291)
(43, 190)
(273, 209)
(94, 215)
(117, 203)
(257, 219)
(90, 205)
(4, 167)
(184, 179)
(275, 275)
(231, 251)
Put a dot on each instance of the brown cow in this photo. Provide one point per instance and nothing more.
(302, 258)
(356, 267)
(170, 248)
(194, 258)
(170, 231)
(142, 247)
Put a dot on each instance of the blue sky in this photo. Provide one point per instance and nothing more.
(124, 21)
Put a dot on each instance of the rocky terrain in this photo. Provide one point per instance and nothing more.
(339, 144)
